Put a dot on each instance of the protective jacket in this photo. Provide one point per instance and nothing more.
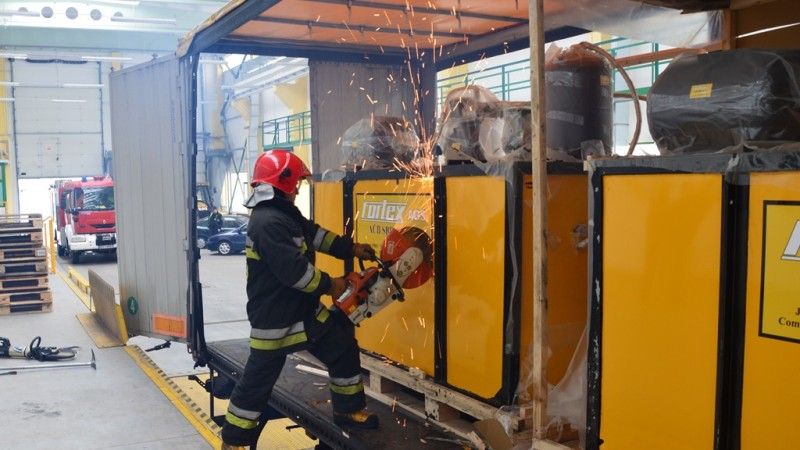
(283, 284)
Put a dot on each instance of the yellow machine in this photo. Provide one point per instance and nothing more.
(695, 324)
(469, 327)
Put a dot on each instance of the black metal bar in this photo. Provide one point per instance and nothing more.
(736, 268)
(440, 279)
(228, 23)
(512, 307)
(348, 215)
(424, 10)
(499, 42)
(359, 28)
(727, 212)
(594, 374)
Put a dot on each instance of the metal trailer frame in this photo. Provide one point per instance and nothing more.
(213, 36)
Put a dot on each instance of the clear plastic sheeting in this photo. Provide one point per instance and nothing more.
(476, 126)
(707, 102)
(379, 142)
(565, 336)
(635, 20)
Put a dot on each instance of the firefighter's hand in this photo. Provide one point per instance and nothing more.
(364, 251)
(338, 286)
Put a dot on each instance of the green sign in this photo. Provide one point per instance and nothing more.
(133, 306)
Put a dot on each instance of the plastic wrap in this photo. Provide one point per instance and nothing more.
(565, 337)
(380, 142)
(478, 127)
(579, 102)
(707, 102)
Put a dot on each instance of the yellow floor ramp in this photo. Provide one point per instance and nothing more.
(192, 401)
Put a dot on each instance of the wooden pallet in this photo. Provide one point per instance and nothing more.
(21, 221)
(17, 239)
(26, 307)
(23, 268)
(16, 298)
(418, 395)
(22, 284)
(22, 253)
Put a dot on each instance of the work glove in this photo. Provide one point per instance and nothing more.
(364, 251)
(338, 286)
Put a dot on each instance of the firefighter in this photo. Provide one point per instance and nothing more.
(283, 290)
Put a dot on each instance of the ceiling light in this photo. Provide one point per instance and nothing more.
(14, 55)
(119, 2)
(106, 58)
(67, 100)
(72, 13)
(9, 83)
(20, 12)
(143, 20)
(82, 85)
(7, 99)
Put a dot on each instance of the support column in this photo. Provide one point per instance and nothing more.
(539, 167)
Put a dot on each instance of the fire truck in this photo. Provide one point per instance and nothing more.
(84, 211)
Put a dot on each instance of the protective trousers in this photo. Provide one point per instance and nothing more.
(337, 348)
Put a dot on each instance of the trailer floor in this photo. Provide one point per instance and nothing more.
(115, 406)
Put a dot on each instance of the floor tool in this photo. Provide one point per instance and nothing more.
(92, 364)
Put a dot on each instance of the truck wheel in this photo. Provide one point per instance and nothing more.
(60, 250)
(224, 248)
(74, 257)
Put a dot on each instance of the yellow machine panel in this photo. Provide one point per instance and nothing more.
(328, 213)
(567, 264)
(475, 283)
(771, 385)
(661, 298)
(404, 331)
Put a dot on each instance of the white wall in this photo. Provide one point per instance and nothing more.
(36, 196)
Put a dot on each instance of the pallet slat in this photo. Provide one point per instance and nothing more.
(22, 253)
(23, 268)
(18, 239)
(19, 298)
(26, 307)
(16, 284)
(25, 221)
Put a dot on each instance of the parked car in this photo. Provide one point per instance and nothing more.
(229, 222)
(229, 242)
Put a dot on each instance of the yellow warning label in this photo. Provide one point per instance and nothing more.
(780, 267)
(378, 214)
(701, 90)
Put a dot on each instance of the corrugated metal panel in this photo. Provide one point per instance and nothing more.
(343, 93)
(150, 128)
(58, 127)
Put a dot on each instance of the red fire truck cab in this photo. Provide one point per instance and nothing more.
(85, 217)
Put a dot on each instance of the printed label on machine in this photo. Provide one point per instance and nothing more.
(780, 270)
(378, 214)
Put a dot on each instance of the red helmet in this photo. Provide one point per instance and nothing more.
(280, 169)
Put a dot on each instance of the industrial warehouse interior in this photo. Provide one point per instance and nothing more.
(400, 224)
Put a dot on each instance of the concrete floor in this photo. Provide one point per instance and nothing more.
(115, 406)
(224, 296)
(223, 279)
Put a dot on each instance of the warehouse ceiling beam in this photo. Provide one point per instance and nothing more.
(356, 28)
(423, 10)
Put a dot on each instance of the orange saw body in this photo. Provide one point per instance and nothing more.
(405, 262)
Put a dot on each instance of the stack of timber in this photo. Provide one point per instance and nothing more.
(23, 265)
